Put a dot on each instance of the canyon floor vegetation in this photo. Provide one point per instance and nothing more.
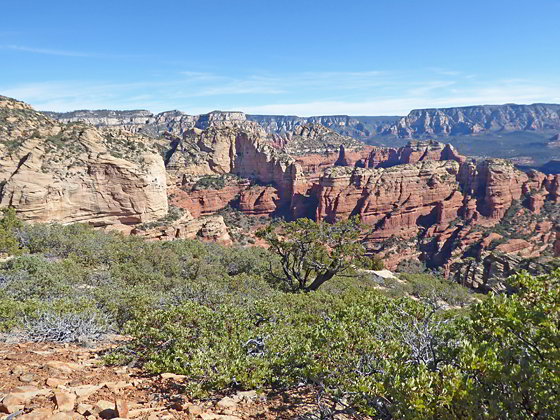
(415, 348)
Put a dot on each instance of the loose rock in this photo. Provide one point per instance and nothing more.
(121, 408)
(65, 400)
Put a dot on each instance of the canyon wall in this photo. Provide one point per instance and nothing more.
(423, 201)
(52, 172)
(231, 149)
(395, 200)
(414, 151)
(477, 119)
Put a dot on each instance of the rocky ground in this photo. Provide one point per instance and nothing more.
(62, 381)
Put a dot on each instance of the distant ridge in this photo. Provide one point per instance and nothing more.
(418, 124)
(477, 119)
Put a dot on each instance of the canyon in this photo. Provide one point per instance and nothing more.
(523, 133)
(173, 175)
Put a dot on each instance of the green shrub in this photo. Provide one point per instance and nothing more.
(9, 226)
(210, 182)
(429, 287)
(511, 350)
(34, 277)
(209, 312)
(392, 358)
(13, 312)
(89, 246)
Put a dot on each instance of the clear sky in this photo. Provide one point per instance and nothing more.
(376, 57)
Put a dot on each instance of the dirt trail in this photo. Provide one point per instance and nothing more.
(55, 381)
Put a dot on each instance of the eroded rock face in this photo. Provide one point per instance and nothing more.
(259, 200)
(496, 183)
(56, 173)
(309, 139)
(499, 183)
(204, 202)
(419, 123)
(241, 150)
(395, 200)
(414, 151)
(444, 211)
(144, 122)
(357, 127)
(552, 185)
(209, 228)
(557, 242)
(433, 202)
(475, 119)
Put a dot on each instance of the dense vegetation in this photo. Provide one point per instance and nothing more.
(414, 349)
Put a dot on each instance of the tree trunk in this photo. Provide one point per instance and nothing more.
(319, 280)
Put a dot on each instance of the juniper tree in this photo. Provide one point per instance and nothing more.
(312, 253)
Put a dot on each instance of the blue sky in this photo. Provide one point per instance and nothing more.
(376, 57)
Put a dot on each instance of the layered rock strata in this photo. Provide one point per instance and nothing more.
(52, 172)
(414, 151)
(208, 228)
(395, 200)
(419, 123)
(476, 119)
(268, 177)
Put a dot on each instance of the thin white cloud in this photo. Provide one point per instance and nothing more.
(444, 71)
(46, 51)
(66, 53)
(305, 93)
(199, 76)
(429, 87)
(499, 94)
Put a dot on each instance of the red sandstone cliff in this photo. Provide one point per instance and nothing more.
(395, 200)
(267, 177)
(414, 151)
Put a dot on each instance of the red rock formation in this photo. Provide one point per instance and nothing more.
(535, 182)
(501, 184)
(468, 211)
(494, 183)
(240, 149)
(449, 209)
(206, 202)
(314, 164)
(513, 246)
(255, 160)
(536, 202)
(259, 200)
(552, 185)
(395, 200)
(394, 256)
(353, 157)
(557, 242)
(414, 151)
(490, 238)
